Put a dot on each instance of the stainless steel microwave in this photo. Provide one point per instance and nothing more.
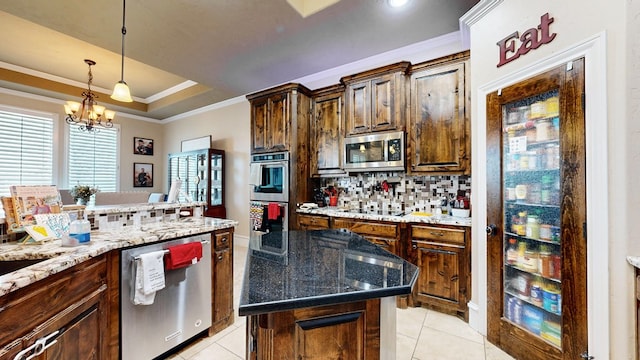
(375, 152)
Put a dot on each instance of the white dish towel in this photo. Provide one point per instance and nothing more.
(149, 277)
(255, 174)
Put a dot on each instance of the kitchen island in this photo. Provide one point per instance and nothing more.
(72, 292)
(322, 294)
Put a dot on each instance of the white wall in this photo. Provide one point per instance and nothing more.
(575, 21)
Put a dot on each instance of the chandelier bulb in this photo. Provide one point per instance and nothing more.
(121, 92)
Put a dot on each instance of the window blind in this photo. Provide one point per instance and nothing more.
(26, 154)
(93, 158)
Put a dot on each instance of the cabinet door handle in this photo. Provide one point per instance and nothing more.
(436, 233)
(491, 229)
(224, 239)
(219, 257)
(414, 246)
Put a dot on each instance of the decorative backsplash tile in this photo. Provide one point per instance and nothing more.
(407, 193)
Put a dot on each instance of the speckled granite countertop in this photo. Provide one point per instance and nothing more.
(117, 209)
(298, 269)
(334, 211)
(59, 258)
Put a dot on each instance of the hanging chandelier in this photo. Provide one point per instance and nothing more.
(88, 114)
(121, 89)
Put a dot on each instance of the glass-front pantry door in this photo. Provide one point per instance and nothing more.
(537, 212)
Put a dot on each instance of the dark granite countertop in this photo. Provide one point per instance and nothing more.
(297, 269)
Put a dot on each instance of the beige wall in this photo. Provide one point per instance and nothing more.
(575, 22)
(230, 131)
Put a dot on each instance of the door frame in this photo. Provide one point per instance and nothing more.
(593, 49)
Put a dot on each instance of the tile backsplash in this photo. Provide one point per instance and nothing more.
(405, 193)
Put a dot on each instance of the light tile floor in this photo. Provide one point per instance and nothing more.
(421, 334)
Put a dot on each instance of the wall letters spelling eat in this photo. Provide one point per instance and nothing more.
(530, 40)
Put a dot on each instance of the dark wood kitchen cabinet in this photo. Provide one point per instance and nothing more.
(375, 99)
(313, 222)
(326, 131)
(65, 307)
(275, 116)
(280, 122)
(343, 331)
(222, 280)
(443, 255)
(438, 124)
(384, 234)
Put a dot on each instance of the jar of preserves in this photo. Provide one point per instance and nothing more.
(533, 227)
(523, 285)
(545, 232)
(520, 223)
(542, 130)
(512, 251)
(545, 261)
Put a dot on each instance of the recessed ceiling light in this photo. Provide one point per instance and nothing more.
(397, 3)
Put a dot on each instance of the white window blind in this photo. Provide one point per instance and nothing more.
(93, 158)
(26, 150)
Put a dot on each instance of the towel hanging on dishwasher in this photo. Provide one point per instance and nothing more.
(149, 277)
(183, 255)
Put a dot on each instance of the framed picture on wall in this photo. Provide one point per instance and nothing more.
(203, 142)
(142, 146)
(142, 175)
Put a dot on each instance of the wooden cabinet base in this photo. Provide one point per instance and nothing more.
(354, 330)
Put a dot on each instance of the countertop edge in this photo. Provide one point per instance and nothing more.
(408, 218)
(322, 300)
(58, 258)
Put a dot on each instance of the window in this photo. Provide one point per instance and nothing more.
(26, 154)
(93, 158)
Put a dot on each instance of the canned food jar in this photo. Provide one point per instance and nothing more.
(542, 130)
(545, 231)
(533, 227)
(523, 285)
(538, 110)
(536, 295)
(552, 106)
(521, 192)
(551, 300)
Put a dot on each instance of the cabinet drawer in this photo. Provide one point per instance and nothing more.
(367, 228)
(315, 221)
(437, 234)
(222, 240)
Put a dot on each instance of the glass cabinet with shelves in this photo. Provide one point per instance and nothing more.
(536, 212)
(202, 175)
(531, 178)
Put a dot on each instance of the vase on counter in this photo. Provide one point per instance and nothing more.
(81, 201)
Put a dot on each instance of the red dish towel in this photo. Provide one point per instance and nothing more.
(183, 255)
(273, 211)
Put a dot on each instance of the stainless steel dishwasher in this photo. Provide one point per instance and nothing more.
(179, 311)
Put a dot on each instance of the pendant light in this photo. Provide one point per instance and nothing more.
(121, 90)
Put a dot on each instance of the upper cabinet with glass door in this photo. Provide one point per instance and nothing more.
(202, 175)
(536, 199)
